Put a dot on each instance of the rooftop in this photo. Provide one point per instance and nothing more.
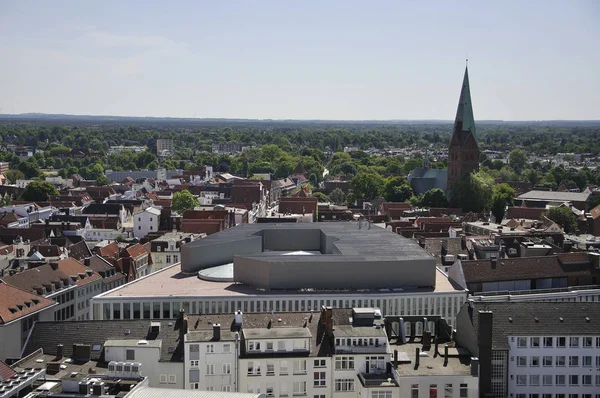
(150, 392)
(171, 282)
(541, 318)
(16, 303)
(555, 196)
(430, 363)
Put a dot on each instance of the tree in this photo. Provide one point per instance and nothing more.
(434, 198)
(396, 189)
(13, 175)
(337, 196)
(367, 186)
(184, 200)
(474, 192)
(30, 168)
(321, 197)
(517, 159)
(564, 217)
(103, 181)
(503, 195)
(38, 191)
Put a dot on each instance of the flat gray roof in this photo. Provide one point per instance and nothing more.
(359, 331)
(555, 196)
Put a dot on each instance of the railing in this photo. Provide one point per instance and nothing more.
(361, 349)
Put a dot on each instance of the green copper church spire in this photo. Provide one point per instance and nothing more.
(464, 122)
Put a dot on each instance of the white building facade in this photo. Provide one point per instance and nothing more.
(146, 221)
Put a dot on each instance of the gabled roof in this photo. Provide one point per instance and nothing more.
(135, 251)
(79, 251)
(464, 124)
(537, 318)
(103, 209)
(522, 268)
(109, 251)
(6, 371)
(16, 303)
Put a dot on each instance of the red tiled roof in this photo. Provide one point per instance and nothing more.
(109, 251)
(16, 299)
(136, 250)
(595, 212)
(6, 371)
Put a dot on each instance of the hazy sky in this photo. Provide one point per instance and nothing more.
(340, 59)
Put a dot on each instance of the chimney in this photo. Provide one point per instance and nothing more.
(327, 320)
(238, 318)
(86, 261)
(216, 332)
(417, 357)
(54, 265)
(484, 342)
(396, 358)
(493, 261)
(59, 351)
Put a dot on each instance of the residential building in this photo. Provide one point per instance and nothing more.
(111, 276)
(19, 309)
(166, 249)
(463, 153)
(552, 198)
(115, 149)
(533, 349)
(66, 281)
(164, 147)
(146, 221)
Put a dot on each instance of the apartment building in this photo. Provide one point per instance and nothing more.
(166, 249)
(534, 349)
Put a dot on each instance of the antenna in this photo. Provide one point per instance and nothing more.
(467, 59)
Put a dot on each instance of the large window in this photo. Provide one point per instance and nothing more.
(376, 363)
(560, 360)
(547, 361)
(253, 368)
(521, 361)
(320, 379)
(299, 388)
(344, 363)
(226, 368)
(283, 367)
(574, 342)
(534, 380)
(521, 342)
(573, 361)
(573, 380)
(464, 391)
(561, 342)
(381, 394)
(560, 380)
(448, 391)
(521, 380)
(344, 385)
(535, 342)
(547, 342)
(534, 361)
(547, 380)
(300, 366)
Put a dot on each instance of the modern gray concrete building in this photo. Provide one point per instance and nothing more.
(285, 268)
(319, 256)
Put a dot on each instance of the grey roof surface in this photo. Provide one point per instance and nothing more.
(430, 364)
(555, 196)
(369, 244)
(47, 335)
(360, 331)
(549, 314)
(277, 333)
(151, 392)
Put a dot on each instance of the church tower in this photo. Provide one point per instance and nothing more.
(463, 154)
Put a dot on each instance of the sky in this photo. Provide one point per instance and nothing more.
(334, 60)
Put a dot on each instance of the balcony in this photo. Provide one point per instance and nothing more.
(377, 380)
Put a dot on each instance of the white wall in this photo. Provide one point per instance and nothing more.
(213, 355)
(144, 223)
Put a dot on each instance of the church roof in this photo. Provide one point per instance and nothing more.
(464, 124)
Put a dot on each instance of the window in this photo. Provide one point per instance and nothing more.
(347, 385)
(376, 363)
(168, 258)
(534, 380)
(226, 348)
(586, 380)
(561, 342)
(414, 391)
(598, 362)
(464, 390)
(194, 386)
(163, 379)
(320, 379)
(253, 368)
(560, 380)
(226, 368)
(226, 388)
(587, 342)
(574, 342)
(547, 380)
(344, 363)
(521, 361)
(210, 348)
(210, 369)
(381, 394)
(534, 395)
(535, 361)
(586, 361)
(300, 366)
(535, 342)
(270, 390)
(130, 355)
(560, 361)
(522, 342)
(448, 393)
(172, 379)
(299, 388)
(547, 361)
(433, 391)
(573, 361)
(547, 342)
(521, 380)
(270, 369)
(598, 343)
(194, 363)
(281, 345)
(573, 380)
(319, 363)
(283, 368)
